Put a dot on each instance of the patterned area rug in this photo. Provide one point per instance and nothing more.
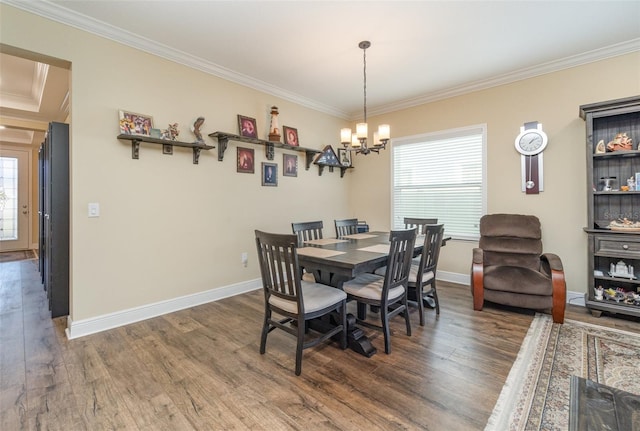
(536, 394)
(12, 256)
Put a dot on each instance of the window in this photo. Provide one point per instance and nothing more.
(441, 175)
(8, 198)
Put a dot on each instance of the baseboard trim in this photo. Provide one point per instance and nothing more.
(81, 328)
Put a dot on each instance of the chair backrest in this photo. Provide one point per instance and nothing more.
(346, 227)
(399, 263)
(278, 260)
(433, 234)
(417, 222)
(511, 239)
(307, 231)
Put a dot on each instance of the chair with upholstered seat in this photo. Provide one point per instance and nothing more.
(423, 272)
(509, 267)
(307, 231)
(346, 227)
(296, 300)
(416, 222)
(388, 292)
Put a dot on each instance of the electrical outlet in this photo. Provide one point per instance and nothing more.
(244, 258)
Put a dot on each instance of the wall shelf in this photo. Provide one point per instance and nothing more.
(167, 146)
(223, 138)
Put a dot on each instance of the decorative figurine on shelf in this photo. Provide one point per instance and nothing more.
(196, 130)
(620, 142)
(274, 129)
(171, 133)
(599, 293)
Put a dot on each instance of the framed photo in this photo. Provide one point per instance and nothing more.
(290, 136)
(247, 127)
(269, 174)
(245, 160)
(638, 181)
(344, 156)
(290, 163)
(135, 124)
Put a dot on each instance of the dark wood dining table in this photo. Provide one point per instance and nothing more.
(333, 261)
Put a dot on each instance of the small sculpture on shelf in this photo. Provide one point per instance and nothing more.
(171, 133)
(274, 130)
(196, 130)
(621, 270)
(620, 142)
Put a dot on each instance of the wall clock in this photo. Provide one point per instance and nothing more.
(530, 143)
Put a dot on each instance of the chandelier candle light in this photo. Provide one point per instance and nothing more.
(358, 140)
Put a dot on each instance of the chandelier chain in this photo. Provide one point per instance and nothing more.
(364, 61)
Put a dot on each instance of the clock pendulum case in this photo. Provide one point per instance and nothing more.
(530, 143)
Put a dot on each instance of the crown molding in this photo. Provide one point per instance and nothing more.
(65, 16)
(622, 48)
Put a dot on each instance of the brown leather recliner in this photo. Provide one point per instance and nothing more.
(509, 267)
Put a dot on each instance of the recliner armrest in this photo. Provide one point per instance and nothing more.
(552, 261)
(478, 255)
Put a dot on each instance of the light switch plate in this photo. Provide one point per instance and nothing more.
(94, 209)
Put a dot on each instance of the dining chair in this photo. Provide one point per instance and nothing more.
(307, 231)
(423, 273)
(346, 227)
(417, 222)
(389, 292)
(296, 300)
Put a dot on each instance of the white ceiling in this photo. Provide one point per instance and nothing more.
(307, 51)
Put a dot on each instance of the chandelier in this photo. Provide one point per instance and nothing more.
(358, 141)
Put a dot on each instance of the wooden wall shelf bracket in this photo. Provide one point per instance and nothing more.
(223, 138)
(167, 146)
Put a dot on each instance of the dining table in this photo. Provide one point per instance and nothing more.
(332, 261)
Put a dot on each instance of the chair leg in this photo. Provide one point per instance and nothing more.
(343, 316)
(300, 344)
(420, 301)
(435, 296)
(384, 316)
(265, 331)
(406, 313)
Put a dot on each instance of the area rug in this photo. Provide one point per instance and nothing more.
(12, 256)
(536, 393)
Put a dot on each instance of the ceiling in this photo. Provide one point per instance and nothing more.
(307, 51)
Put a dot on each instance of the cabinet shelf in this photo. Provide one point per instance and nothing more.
(167, 145)
(223, 138)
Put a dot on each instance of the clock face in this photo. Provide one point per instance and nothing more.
(531, 142)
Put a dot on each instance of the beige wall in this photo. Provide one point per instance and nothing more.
(552, 99)
(169, 228)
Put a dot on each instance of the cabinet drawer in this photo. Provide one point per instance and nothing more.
(617, 246)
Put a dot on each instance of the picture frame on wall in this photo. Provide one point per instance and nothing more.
(132, 123)
(246, 160)
(344, 157)
(269, 174)
(247, 127)
(290, 136)
(290, 165)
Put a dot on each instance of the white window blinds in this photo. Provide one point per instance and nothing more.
(441, 175)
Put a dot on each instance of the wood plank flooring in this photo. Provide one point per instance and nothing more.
(200, 369)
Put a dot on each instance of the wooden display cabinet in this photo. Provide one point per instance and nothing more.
(612, 250)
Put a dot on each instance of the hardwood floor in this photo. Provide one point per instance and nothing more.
(200, 369)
